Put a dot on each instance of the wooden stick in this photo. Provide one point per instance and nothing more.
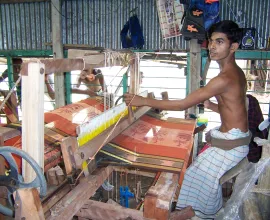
(33, 117)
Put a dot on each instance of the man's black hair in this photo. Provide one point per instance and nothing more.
(230, 28)
(96, 71)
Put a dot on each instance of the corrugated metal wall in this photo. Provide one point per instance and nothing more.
(27, 26)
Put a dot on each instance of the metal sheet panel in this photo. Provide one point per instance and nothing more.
(27, 26)
(101, 23)
(249, 13)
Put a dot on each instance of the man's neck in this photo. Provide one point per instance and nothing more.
(226, 63)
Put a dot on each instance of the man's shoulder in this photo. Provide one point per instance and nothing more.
(222, 78)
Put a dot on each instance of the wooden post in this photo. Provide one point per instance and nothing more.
(33, 117)
(28, 205)
(165, 95)
(134, 80)
(158, 199)
(59, 85)
(194, 82)
(195, 70)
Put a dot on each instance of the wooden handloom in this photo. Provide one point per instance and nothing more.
(167, 144)
(59, 124)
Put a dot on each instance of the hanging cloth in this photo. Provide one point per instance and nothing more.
(131, 34)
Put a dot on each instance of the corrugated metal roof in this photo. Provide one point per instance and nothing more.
(27, 26)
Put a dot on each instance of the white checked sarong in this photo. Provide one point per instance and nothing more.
(201, 188)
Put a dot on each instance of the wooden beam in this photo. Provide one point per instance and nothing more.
(158, 199)
(28, 205)
(57, 195)
(67, 207)
(99, 210)
(57, 65)
(33, 118)
(59, 81)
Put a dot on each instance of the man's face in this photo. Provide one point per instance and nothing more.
(17, 66)
(90, 77)
(219, 46)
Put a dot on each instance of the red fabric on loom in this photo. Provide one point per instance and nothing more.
(152, 136)
(68, 117)
(65, 120)
(49, 153)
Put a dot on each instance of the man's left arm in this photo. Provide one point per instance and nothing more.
(102, 82)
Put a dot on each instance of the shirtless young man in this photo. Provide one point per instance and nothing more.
(201, 188)
(94, 81)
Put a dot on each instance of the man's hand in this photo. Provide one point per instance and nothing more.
(207, 104)
(134, 99)
(211, 105)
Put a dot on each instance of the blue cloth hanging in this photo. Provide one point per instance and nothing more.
(131, 34)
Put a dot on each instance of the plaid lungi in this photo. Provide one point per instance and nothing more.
(201, 188)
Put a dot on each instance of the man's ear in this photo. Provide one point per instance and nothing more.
(234, 46)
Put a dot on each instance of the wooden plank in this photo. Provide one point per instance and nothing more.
(28, 205)
(160, 197)
(33, 118)
(150, 204)
(99, 210)
(59, 81)
(68, 147)
(76, 53)
(59, 194)
(67, 207)
(57, 65)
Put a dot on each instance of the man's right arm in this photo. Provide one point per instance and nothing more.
(215, 86)
(3, 76)
(84, 92)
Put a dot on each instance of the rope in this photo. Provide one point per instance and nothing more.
(10, 92)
